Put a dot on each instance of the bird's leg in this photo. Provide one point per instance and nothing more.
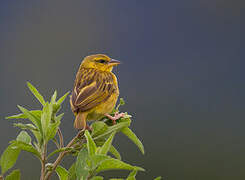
(116, 116)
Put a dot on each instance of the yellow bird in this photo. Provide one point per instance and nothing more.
(95, 90)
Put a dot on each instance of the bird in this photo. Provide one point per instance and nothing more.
(95, 91)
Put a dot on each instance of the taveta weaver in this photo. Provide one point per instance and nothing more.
(95, 91)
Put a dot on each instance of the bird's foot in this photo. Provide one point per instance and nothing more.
(116, 116)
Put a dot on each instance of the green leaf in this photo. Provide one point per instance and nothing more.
(24, 137)
(133, 138)
(158, 178)
(37, 113)
(57, 105)
(90, 144)
(53, 98)
(25, 147)
(59, 150)
(97, 178)
(98, 128)
(14, 175)
(34, 119)
(26, 126)
(62, 173)
(52, 130)
(97, 159)
(107, 145)
(9, 157)
(46, 117)
(59, 117)
(115, 152)
(56, 108)
(37, 146)
(72, 172)
(60, 101)
(116, 179)
(82, 169)
(113, 164)
(132, 175)
(125, 118)
(36, 93)
(53, 127)
(38, 136)
(122, 102)
(110, 129)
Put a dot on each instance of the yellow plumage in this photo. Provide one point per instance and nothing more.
(95, 89)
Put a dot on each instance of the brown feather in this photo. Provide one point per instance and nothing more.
(80, 121)
(91, 88)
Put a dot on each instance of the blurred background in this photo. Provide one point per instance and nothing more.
(182, 77)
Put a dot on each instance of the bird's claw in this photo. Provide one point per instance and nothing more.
(115, 117)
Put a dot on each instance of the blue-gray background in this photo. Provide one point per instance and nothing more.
(182, 76)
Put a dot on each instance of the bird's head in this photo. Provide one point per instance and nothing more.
(100, 62)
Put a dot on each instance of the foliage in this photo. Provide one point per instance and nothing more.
(91, 148)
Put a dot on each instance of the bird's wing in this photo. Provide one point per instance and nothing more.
(86, 95)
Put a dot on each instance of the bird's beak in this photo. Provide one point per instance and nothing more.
(114, 62)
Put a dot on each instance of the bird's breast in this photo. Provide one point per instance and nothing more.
(103, 108)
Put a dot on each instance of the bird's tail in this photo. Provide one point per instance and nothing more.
(80, 121)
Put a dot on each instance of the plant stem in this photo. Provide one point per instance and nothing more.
(43, 162)
(42, 170)
(62, 154)
(61, 138)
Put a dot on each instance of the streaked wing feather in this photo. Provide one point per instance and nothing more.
(91, 91)
(85, 93)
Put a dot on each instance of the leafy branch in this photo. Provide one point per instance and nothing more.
(91, 148)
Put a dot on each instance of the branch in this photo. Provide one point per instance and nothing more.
(42, 170)
(56, 143)
(60, 138)
(62, 154)
(43, 162)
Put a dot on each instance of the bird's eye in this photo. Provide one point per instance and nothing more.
(102, 61)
